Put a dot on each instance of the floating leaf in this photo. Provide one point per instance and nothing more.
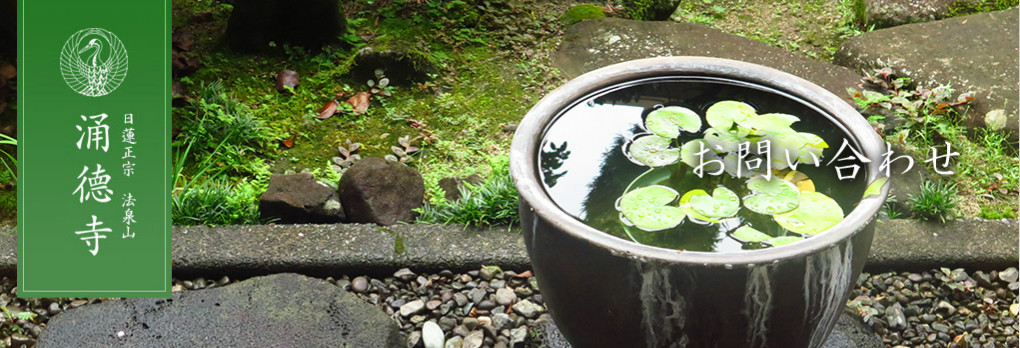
(875, 188)
(697, 152)
(647, 208)
(801, 180)
(771, 196)
(770, 124)
(653, 151)
(748, 234)
(815, 214)
(723, 141)
(360, 102)
(669, 121)
(328, 110)
(723, 114)
(784, 240)
(694, 215)
(723, 203)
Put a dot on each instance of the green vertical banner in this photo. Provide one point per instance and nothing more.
(94, 151)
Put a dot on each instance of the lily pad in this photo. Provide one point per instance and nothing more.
(689, 155)
(653, 150)
(723, 203)
(875, 188)
(748, 234)
(671, 120)
(694, 215)
(801, 180)
(815, 214)
(723, 114)
(784, 240)
(771, 196)
(723, 141)
(770, 124)
(647, 208)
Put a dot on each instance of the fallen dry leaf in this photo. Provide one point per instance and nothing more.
(328, 110)
(360, 102)
(289, 143)
(525, 274)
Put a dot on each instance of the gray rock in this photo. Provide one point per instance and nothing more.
(474, 339)
(1009, 275)
(528, 309)
(414, 340)
(379, 191)
(502, 321)
(505, 296)
(518, 337)
(412, 308)
(452, 187)
(404, 274)
(254, 24)
(454, 342)
(596, 43)
(973, 53)
(359, 284)
(432, 336)
(299, 198)
(278, 311)
(470, 323)
(889, 13)
(895, 318)
(910, 244)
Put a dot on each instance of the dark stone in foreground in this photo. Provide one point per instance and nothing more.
(596, 43)
(974, 53)
(283, 310)
(378, 191)
(299, 198)
(255, 23)
(850, 332)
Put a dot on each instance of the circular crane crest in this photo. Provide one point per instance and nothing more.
(94, 62)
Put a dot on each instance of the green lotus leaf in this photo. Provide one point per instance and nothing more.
(769, 124)
(669, 121)
(784, 240)
(694, 215)
(748, 234)
(730, 165)
(653, 150)
(689, 155)
(813, 140)
(815, 214)
(875, 188)
(723, 141)
(647, 208)
(723, 203)
(723, 114)
(771, 196)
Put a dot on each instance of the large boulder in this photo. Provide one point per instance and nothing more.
(299, 198)
(889, 13)
(976, 53)
(282, 310)
(378, 191)
(254, 24)
(596, 43)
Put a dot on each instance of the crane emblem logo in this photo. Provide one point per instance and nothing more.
(94, 62)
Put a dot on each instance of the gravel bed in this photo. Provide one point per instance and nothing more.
(490, 307)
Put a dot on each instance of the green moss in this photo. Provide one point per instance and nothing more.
(8, 206)
(966, 7)
(581, 12)
(998, 211)
(398, 245)
(650, 10)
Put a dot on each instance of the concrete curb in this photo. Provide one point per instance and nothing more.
(323, 250)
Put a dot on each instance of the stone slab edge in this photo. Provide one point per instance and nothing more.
(370, 249)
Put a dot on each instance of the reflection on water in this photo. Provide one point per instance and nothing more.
(585, 170)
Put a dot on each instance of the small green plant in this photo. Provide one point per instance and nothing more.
(889, 208)
(381, 84)
(997, 211)
(402, 153)
(935, 201)
(348, 155)
(10, 168)
(12, 317)
(493, 202)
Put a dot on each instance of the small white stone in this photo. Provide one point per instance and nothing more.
(432, 336)
(120, 334)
